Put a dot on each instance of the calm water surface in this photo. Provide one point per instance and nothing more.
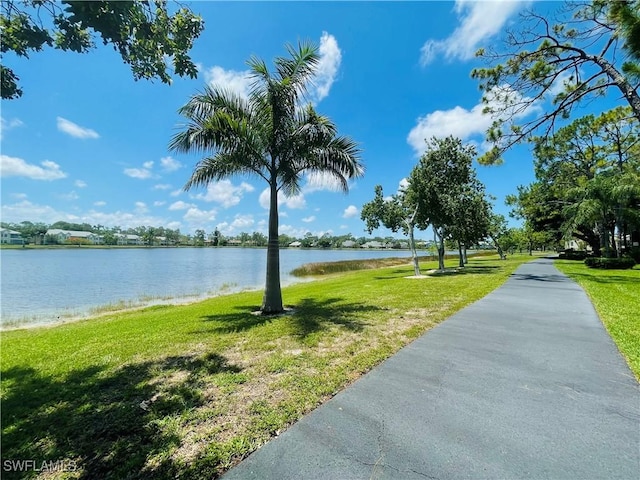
(40, 286)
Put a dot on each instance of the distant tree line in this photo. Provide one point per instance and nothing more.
(31, 231)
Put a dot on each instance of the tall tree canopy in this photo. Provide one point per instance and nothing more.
(442, 181)
(144, 32)
(269, 135)
(588, 48)
(587, 180)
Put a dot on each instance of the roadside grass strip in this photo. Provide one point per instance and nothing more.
(187, 391)
(615, 295)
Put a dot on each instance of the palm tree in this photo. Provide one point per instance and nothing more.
(268, 134)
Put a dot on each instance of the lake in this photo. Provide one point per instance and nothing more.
(46, 285)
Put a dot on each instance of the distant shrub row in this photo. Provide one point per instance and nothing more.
(610, 263)
(573, 255)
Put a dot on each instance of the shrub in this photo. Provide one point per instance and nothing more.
(571, 254)
(610, 263)
(635, 254)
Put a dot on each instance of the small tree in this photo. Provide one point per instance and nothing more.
(500, 235)
(396, 212)
(198, 238)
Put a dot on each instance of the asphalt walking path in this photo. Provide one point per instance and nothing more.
(525, 383)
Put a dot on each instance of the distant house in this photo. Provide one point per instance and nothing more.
(373, 244)
(349, 244)
(163, 241)
(295, 244)
(10, 237)
(128, 239)
(71, 236)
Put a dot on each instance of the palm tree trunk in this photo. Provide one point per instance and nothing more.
(272, 300)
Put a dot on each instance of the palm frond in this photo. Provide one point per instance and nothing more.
(220, 166)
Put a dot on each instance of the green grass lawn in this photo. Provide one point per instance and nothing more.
(187, 391)
(616, 297)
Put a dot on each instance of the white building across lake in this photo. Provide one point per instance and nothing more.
(10, 237)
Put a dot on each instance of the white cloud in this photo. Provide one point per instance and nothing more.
(17, 167)
(44, 213)
(141, 208)
(75, 130)
(9, 124)
(350, 212)
(13, 123)
(295, 202)
(158, 203)
(198, 218)
(148, 165)
(479, 21)
(180, 205)
(100, 203)
(18, 212)
(292, 231)
(319, 181)
(175, 193)
(162, 186)
(141, 173)
(240, 82)
(237, 82)
(170, 164)
(19, 196)
(80, 183)
(225, 193)
(241, 222)
(309, 219)
(328, 66)
(464, 124)
(69, 196)
(458, 121)
(563, 80)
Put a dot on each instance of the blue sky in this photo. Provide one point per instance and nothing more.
(87, 143)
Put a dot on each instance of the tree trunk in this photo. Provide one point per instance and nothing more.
(464, 254)
(618, 236)
(414, 253)
(499, 248)
(628, 91)
(272, 300)
(439, 238)
(460, 256)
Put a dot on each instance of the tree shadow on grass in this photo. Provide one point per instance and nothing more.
(242, 318)
(607, 279)
(449, 271)
(313, 315)
(106, 424)
(306, 317)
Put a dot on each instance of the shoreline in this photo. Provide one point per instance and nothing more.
(104, 310)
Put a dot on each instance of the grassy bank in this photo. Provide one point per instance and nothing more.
(187, 391)
(616, 297)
